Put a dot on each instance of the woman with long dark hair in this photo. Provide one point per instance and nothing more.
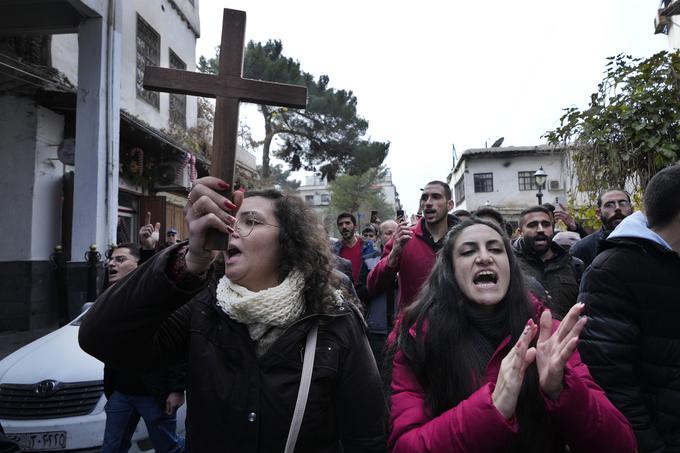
(277, 357)
(479, 366)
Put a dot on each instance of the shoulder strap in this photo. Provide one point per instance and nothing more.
(303, 391)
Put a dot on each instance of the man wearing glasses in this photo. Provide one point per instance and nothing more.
(612, 207)
(154, 397)
(122, 261)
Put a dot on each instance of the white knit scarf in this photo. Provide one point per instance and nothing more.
(266, 313)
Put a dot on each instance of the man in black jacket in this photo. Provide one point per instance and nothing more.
(612, 207)
(154, 396)
(547, 262)
(631, 343)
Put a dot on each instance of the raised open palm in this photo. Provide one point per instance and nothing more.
(553, 349)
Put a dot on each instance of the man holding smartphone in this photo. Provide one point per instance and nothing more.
(412, 251)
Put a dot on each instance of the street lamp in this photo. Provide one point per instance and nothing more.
(539, 180)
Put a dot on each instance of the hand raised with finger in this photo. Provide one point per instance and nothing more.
(553, 349)
(156, 235)
(511, 373)
(207, 209)
(149, 234)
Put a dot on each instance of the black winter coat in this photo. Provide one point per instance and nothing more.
(631, 342)
(237, 402)
(587, 248)
(560, 275)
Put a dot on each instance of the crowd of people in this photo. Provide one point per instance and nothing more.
(447, 333)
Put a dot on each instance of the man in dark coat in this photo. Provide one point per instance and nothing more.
(612, 207)
(631, 342)
(154, 396)
(546, 261)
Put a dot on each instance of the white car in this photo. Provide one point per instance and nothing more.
(52, 396)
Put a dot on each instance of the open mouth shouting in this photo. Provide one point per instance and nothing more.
(540, 242)
(481, 265)
(232, 252)
(485, 279)
(430, 213)
(485, 285)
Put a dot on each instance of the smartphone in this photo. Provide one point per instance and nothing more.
(374, 216)
(558, 205)
(400, 214)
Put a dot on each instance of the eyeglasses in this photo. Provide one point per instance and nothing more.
(612, 204)
(120, 259)
(245, 225)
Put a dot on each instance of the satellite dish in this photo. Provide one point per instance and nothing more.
(498, 142)
(166, 174)
(67, 151)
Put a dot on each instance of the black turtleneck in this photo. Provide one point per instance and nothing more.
(488, 328)
(451, 221)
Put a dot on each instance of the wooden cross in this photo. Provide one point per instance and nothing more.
(228, 87)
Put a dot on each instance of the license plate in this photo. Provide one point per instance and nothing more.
(55, 440)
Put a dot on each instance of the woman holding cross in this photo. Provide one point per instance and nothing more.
(277, 356)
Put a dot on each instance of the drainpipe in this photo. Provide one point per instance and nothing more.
(111, 204)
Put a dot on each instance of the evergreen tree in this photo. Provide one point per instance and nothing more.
(327, 137)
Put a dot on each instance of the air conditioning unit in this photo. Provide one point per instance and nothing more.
(555, 185)
(168, 179)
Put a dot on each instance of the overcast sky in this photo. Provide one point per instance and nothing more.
(448, 72)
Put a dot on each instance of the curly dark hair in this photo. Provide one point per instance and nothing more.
(304, 247)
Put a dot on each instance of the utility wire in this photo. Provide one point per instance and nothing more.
(21, 79)
(36, 76)
(10, 57)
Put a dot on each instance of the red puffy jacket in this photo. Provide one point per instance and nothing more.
(414, 265)
(582, 415)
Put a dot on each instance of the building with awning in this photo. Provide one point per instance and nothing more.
(87, 151)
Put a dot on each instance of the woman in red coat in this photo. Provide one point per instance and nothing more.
(480, 366)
